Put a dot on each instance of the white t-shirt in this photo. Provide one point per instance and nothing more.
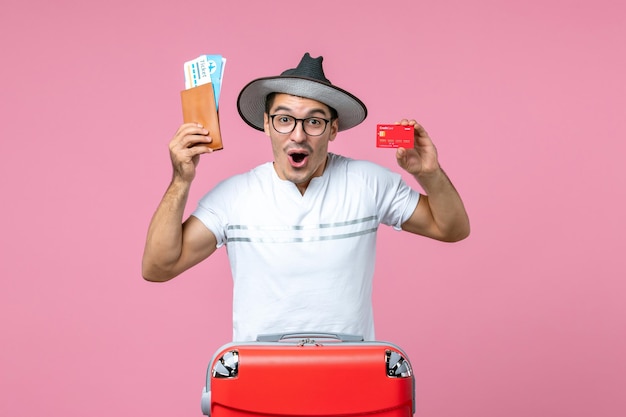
(305, 262)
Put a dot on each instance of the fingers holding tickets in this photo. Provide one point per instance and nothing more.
(189, 142)
(191, 135)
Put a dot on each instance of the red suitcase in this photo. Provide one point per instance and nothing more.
(309, 374)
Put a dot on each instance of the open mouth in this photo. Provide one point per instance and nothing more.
(298, 158)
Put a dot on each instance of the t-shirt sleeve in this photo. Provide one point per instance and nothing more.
(398, 201)
(395, 200)
(403, 205)
(211, 211)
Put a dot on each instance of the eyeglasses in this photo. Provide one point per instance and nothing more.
(313, 126)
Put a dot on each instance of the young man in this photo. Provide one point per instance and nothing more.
(301, 230)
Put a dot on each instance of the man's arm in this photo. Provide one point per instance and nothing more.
(171, 245)
(440, 214)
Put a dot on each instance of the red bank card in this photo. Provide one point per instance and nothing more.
(394, 136)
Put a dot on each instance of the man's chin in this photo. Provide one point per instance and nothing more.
(299, 179)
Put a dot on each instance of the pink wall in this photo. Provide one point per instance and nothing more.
(526, 102)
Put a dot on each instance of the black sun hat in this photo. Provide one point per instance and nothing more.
(306, 80)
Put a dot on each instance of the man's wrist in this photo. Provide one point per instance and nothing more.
(432, 179)
(179, 184)
(430, 174)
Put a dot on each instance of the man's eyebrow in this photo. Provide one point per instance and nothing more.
(311, 112)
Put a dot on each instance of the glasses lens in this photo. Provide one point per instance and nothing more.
(314, 126)
(283, 123)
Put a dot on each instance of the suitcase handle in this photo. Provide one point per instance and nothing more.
(340, 337)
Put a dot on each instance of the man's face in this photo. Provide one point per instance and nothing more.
(298, 157)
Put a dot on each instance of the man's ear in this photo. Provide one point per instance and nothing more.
(266, 124)
(334, 128)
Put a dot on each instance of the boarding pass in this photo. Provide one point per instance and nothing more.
(203, 70)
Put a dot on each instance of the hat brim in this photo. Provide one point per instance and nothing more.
(251, 100)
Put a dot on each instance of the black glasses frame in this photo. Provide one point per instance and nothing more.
(326, 121)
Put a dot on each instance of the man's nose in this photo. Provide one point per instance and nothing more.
(298, 134)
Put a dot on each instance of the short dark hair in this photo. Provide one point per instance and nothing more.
(269, 101)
